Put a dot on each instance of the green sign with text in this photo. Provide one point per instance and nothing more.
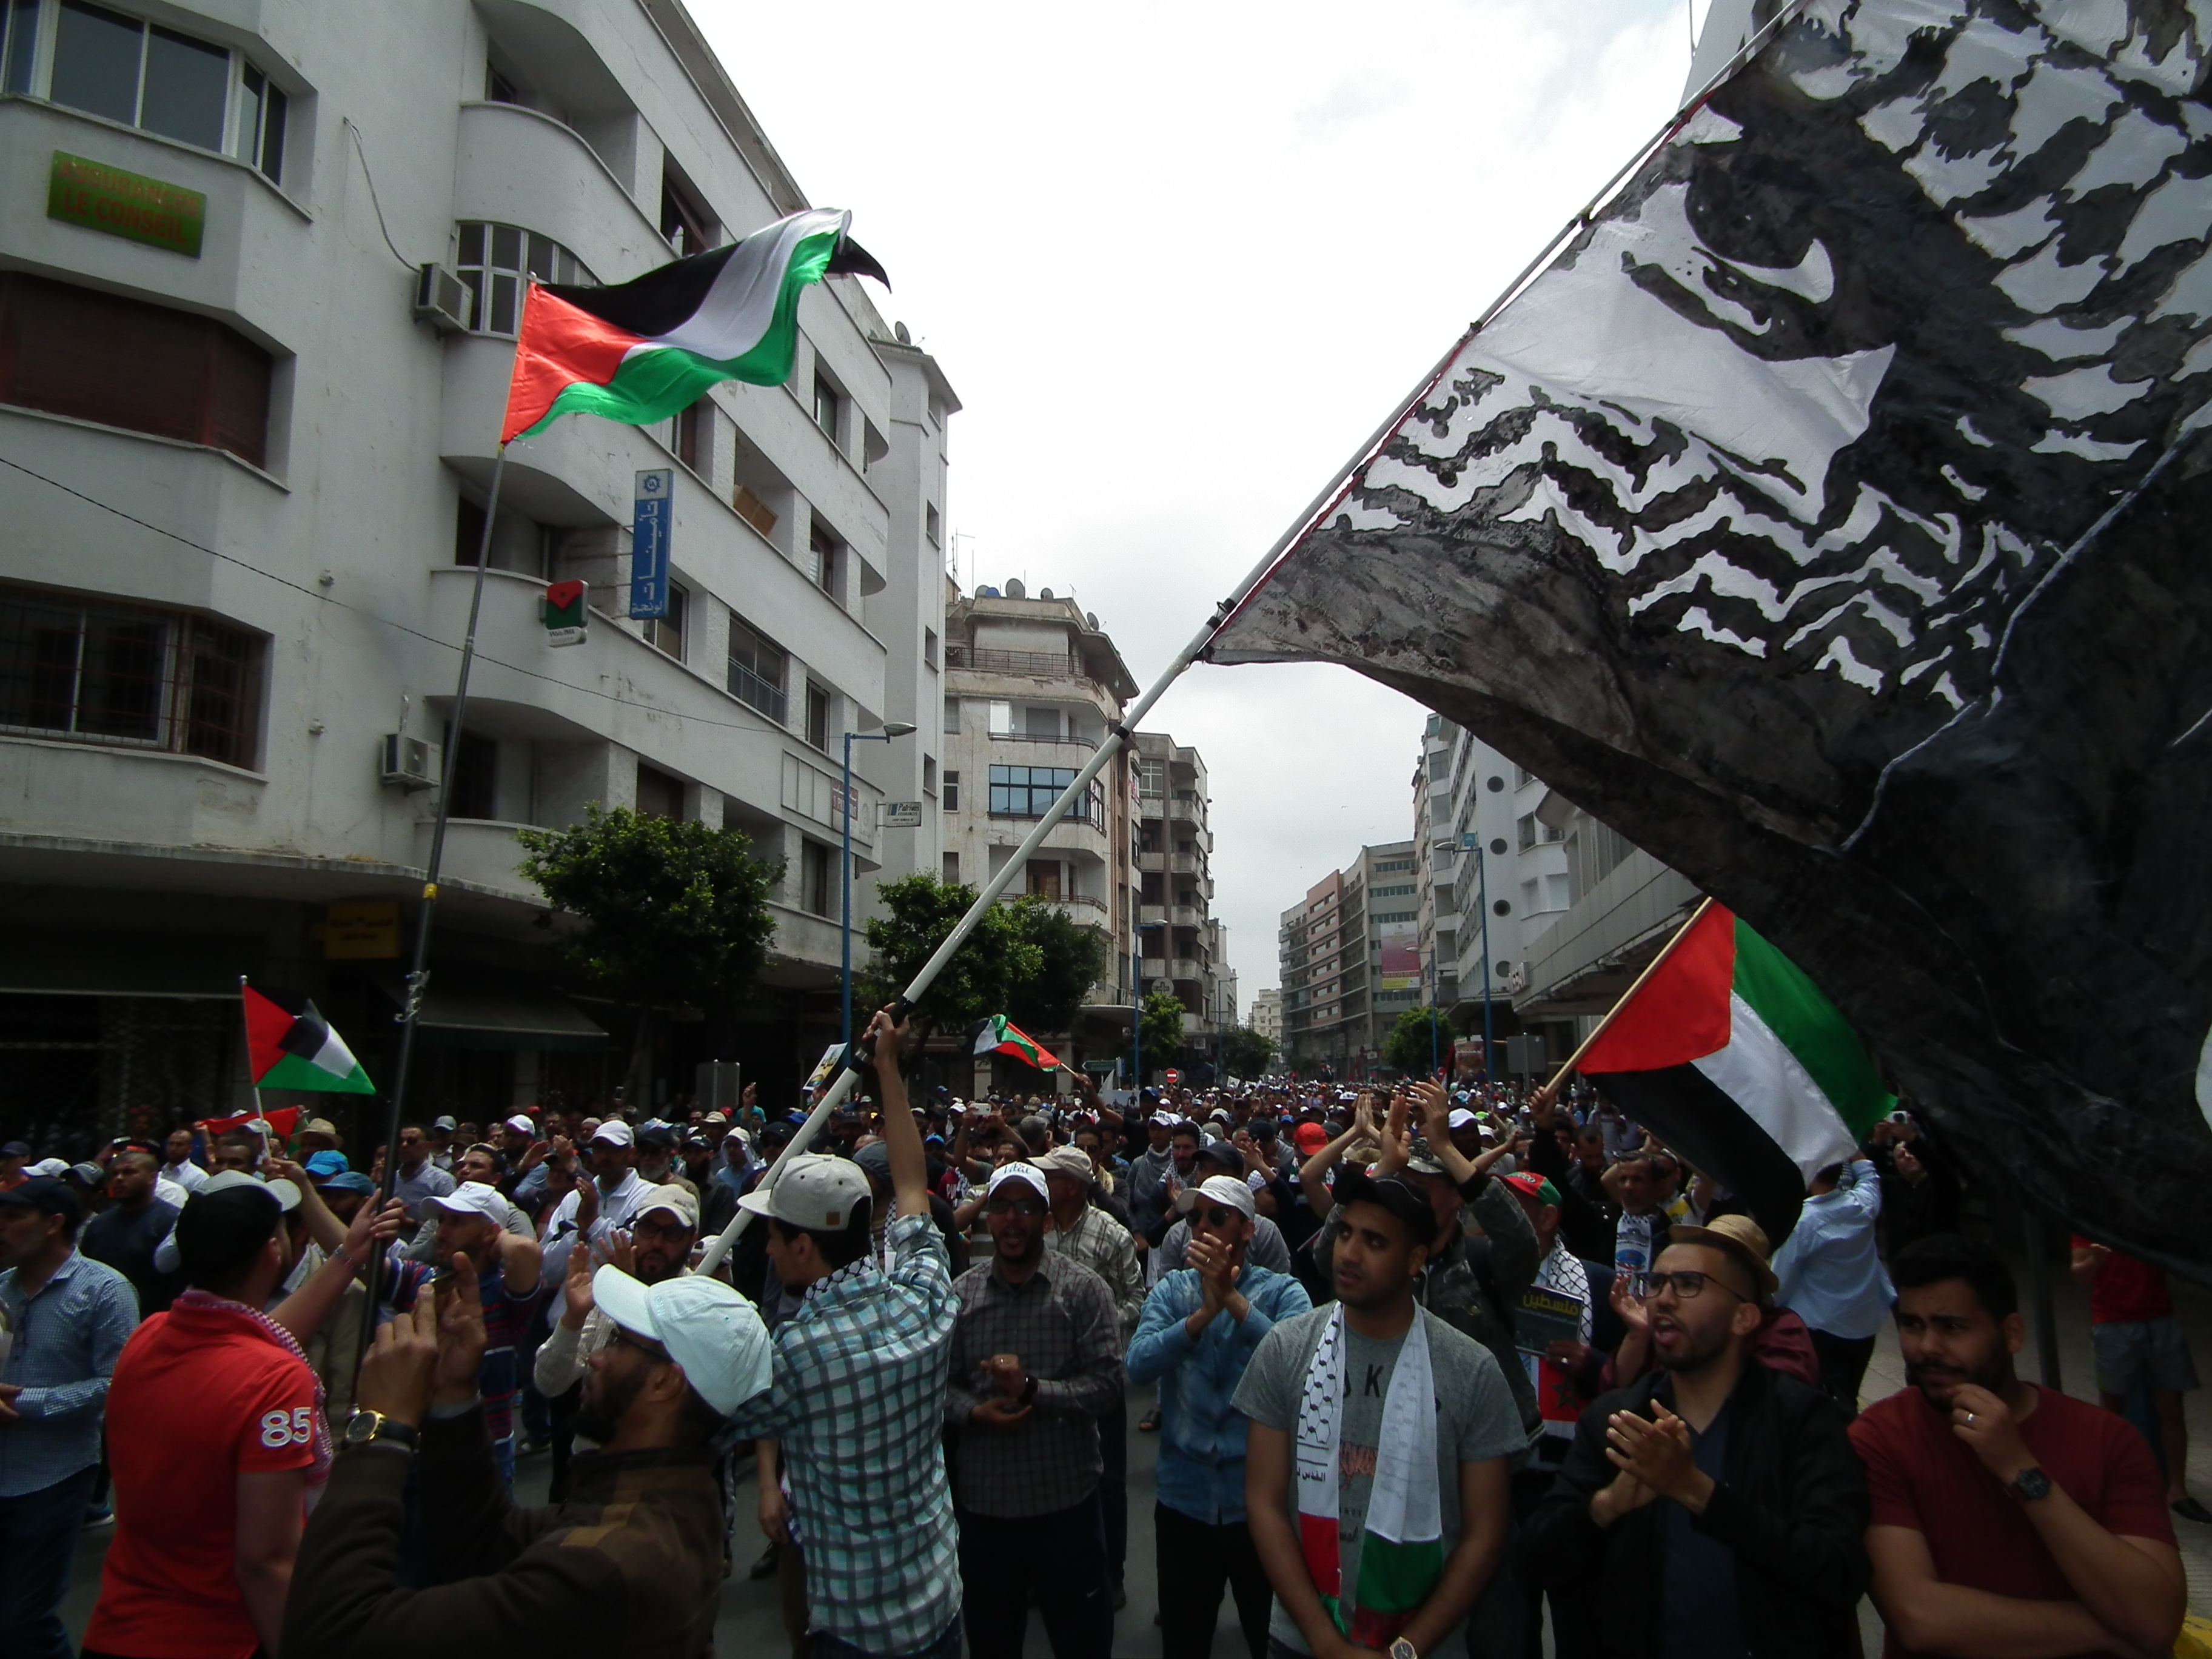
(127, 204)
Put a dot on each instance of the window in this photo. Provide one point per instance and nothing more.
(951, 792)
(753, 510)
(826, 405)
(659, 794)
(1152, 780)
(1407, 891)
(498, 90)
(496, 263)
(665, 634)
(1044, 877)
(818, 717)
(817, 878)
(95, 671)
(952, 714)
(929, 775)
(123, 363)
(1028, 791)
(1002, 720)
(143, 75)
(684, 220)
(758, 670)
(929, 647)
(694, 429)
(952, 869)
(22, 29)
(822, 557)
(476, 777)
(932, 525)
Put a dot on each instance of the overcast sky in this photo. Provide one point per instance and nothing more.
(1178, 260)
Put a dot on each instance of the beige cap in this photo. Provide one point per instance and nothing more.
(676, 1201)
(1732, 1235)
(1070, 1161)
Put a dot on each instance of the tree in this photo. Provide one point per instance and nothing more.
(1409, 1046)
(1072, 959)
(1162, 1031)
(1245, 1052)
(674, 914)
(920, 913)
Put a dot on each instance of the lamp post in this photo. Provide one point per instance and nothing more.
(891, 729)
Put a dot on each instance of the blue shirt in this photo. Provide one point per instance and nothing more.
(1699, 1615)
(1202, 1463)
(68, 1336)
(1830, 1275)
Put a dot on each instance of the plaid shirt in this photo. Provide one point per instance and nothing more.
(1062, 1323)
(857, 1396)
(1103, 1245)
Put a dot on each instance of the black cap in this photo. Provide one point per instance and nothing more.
(657, 1138)
(219, 1232)
(1356, 1186)
(48, 1195)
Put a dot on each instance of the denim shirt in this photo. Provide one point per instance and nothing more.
(1201, 1463)
(67, 1338)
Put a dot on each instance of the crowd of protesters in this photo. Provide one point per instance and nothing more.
(1432, 1369)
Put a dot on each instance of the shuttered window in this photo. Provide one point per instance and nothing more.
(121, 362)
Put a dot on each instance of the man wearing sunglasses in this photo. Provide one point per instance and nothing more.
(1721, 1498)
(1198, 1330)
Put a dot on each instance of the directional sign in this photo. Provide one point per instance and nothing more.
(650, 528)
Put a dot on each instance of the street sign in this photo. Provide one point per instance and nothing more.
(1468, 840)
(1173, 1076)
(901, 815)
(566, 612)
(649, 530)
(360, 932)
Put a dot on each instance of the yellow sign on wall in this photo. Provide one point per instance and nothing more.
(360, 932)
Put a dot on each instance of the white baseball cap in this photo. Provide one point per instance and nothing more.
(474, 1198)
(1460, 1118)
(817, 1191)
(1222, 1189)
(521, 1125)
(615, 1133)
(286, 1195)
(1028, 1174)
(707, 1327)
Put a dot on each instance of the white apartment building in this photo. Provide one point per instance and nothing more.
(1186, 949)
(1267, 1015)
(1032, 686)
(247, 474)
(1349, 954)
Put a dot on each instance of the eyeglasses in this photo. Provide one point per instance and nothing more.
(1689, 1285)
(1028, 1206)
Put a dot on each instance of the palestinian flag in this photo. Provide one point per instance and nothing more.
(641, 351)
(1001, 1036)
(1734, 1059)
(291, 1046)
(281, 1124)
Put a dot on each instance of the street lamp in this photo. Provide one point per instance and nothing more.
(891, 729)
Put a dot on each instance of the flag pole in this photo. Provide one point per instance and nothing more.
(418, 977)
(1550, 1091)
(260, 1113)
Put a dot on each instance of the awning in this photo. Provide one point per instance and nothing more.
(461, 1012)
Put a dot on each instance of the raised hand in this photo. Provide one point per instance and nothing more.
(400, 1370)
(577, 1287)
(459, 1310)
(373, 1228)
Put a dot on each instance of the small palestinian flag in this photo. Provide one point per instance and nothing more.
(641, 351)
(290, 1046)
(1001, 1036)
(1734, 1059)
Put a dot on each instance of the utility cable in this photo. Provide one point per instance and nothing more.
(372, 199)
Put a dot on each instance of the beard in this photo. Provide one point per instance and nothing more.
(1695, 1351)
(1937, 1383)
(601, 1409)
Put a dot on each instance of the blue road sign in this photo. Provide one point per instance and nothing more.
(650, 527)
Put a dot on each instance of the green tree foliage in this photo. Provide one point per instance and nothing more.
(919, 913)
(1162, 1031)
(1407, 1047)
(1245, 1052)
(674, 914)
(1072, 959)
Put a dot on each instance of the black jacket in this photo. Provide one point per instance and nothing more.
(1793, 1510)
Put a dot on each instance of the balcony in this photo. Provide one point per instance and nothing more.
(1177, 916)
(1180, 864)
(1077, 907)
(1085, 745)
(1171, 968)
(1050, 665)
(1180, 812)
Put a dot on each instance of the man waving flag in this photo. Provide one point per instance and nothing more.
(640, 351)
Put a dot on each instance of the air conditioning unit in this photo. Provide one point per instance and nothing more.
(411, 762)
(441, 299)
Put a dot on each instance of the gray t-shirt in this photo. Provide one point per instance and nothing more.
(1476, 1421)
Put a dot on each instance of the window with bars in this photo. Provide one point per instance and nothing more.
(159, 80)
(759, 670)
(99, 673)
(1028, 791)
(497, 263)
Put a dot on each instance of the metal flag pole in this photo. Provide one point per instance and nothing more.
(418, 977)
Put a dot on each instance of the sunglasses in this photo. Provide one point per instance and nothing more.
(1028, 1206)
(1688, 1285)
(1220, 1215)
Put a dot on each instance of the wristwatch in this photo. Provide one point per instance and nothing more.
(367, 1427)
(1401, 1649)
(1028, 1392)
(2031, 1484)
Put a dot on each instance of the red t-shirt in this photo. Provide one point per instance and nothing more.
(198, 1398)
(1921, 1476)
(2125, 1290)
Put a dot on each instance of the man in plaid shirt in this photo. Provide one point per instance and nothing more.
(1036, 1362)
(859, 1394)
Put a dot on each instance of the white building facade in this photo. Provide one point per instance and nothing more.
(246, 487)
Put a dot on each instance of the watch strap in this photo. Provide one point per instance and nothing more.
(1028, 1391)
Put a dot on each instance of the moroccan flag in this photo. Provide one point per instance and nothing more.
(1001, 1036)
(1827, 519)
(1734, 1059)
(289, 1045)
(640, 351)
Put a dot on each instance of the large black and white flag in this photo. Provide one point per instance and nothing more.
(1831, 520)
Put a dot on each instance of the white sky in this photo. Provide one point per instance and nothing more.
(1178, 260)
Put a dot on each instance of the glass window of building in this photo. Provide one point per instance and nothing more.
(143, 75)
(497, 263)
